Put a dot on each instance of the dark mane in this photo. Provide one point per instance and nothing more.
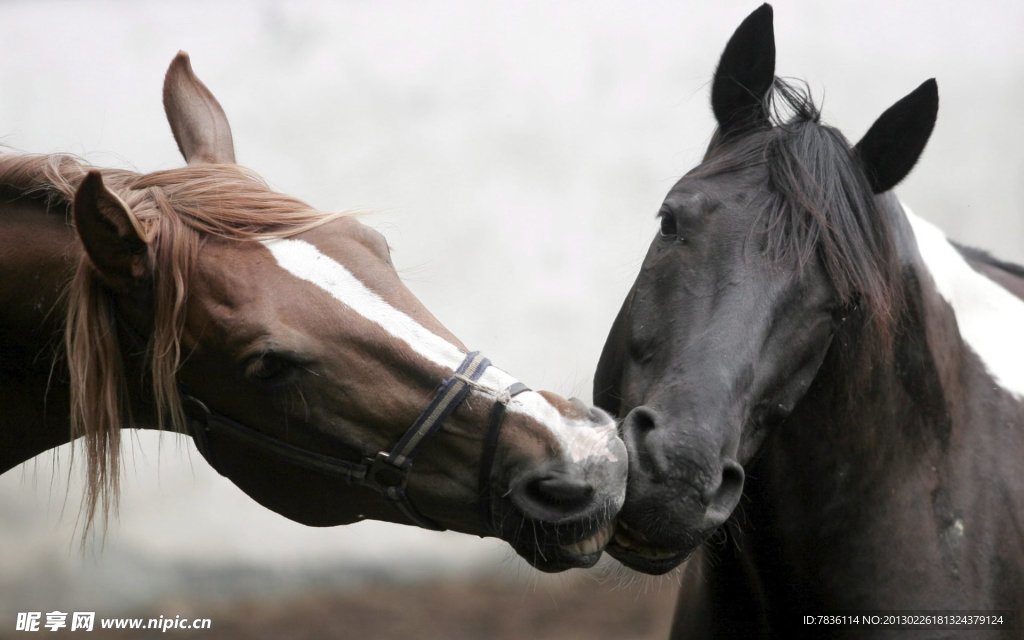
(818, 204)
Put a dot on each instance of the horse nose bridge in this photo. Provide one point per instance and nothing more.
(596, 416)
(591, 450)
(569, 429)
(709, 371)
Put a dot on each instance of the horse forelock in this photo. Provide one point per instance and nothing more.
(818, 204)
(177, 209)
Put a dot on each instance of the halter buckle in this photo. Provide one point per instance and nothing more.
(383, 474)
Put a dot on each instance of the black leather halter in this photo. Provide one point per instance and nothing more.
(386, 473)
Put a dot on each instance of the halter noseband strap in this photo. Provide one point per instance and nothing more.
(388, 472)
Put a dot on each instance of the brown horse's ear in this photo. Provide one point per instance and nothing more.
(110, 234)
(891, 147)
(197, 120)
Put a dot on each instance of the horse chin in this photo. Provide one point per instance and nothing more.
(555, 560)
(636, 551)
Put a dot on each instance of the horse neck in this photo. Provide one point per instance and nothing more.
(855, 456)
(868, 404)
(38, 255)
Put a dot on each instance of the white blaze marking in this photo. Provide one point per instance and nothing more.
(991, 319)
(580, 439)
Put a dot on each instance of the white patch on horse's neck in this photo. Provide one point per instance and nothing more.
(579, 438)
(990, 318)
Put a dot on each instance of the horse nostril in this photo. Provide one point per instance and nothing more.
(723, 499)
(641, 419)
(561, 490)
(552, 492)
(648, 445)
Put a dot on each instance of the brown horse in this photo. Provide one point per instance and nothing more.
(281, 339)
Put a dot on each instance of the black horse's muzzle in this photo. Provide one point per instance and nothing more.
(680, 490)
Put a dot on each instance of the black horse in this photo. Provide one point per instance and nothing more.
(821, 395)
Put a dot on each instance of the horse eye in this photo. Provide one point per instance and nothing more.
(668, 225)
(268, 368)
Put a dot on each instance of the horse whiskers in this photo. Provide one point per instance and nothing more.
(536, 547)
(305, 405)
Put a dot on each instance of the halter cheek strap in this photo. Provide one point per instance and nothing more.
(388, 472)
(494, 422)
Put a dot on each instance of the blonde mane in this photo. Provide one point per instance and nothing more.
(176, 210)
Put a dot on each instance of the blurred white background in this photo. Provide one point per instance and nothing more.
(532, 141)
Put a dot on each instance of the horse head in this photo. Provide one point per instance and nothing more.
(766, 252)
(284, 342)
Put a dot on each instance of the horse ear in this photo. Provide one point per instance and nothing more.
(110, 234)
(197, 120)
(891, 147)
(745, 73)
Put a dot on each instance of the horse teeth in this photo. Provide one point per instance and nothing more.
(627, 539)
(593, 544)
(632, 533)
(623, 540)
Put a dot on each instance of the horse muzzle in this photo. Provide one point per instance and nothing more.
(559, 513)
(680, 490)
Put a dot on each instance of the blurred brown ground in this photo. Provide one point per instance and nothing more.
(540, 608)
(485, 608)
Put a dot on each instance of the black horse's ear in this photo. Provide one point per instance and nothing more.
(891, 147)
(745, 74)
(110, 235)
